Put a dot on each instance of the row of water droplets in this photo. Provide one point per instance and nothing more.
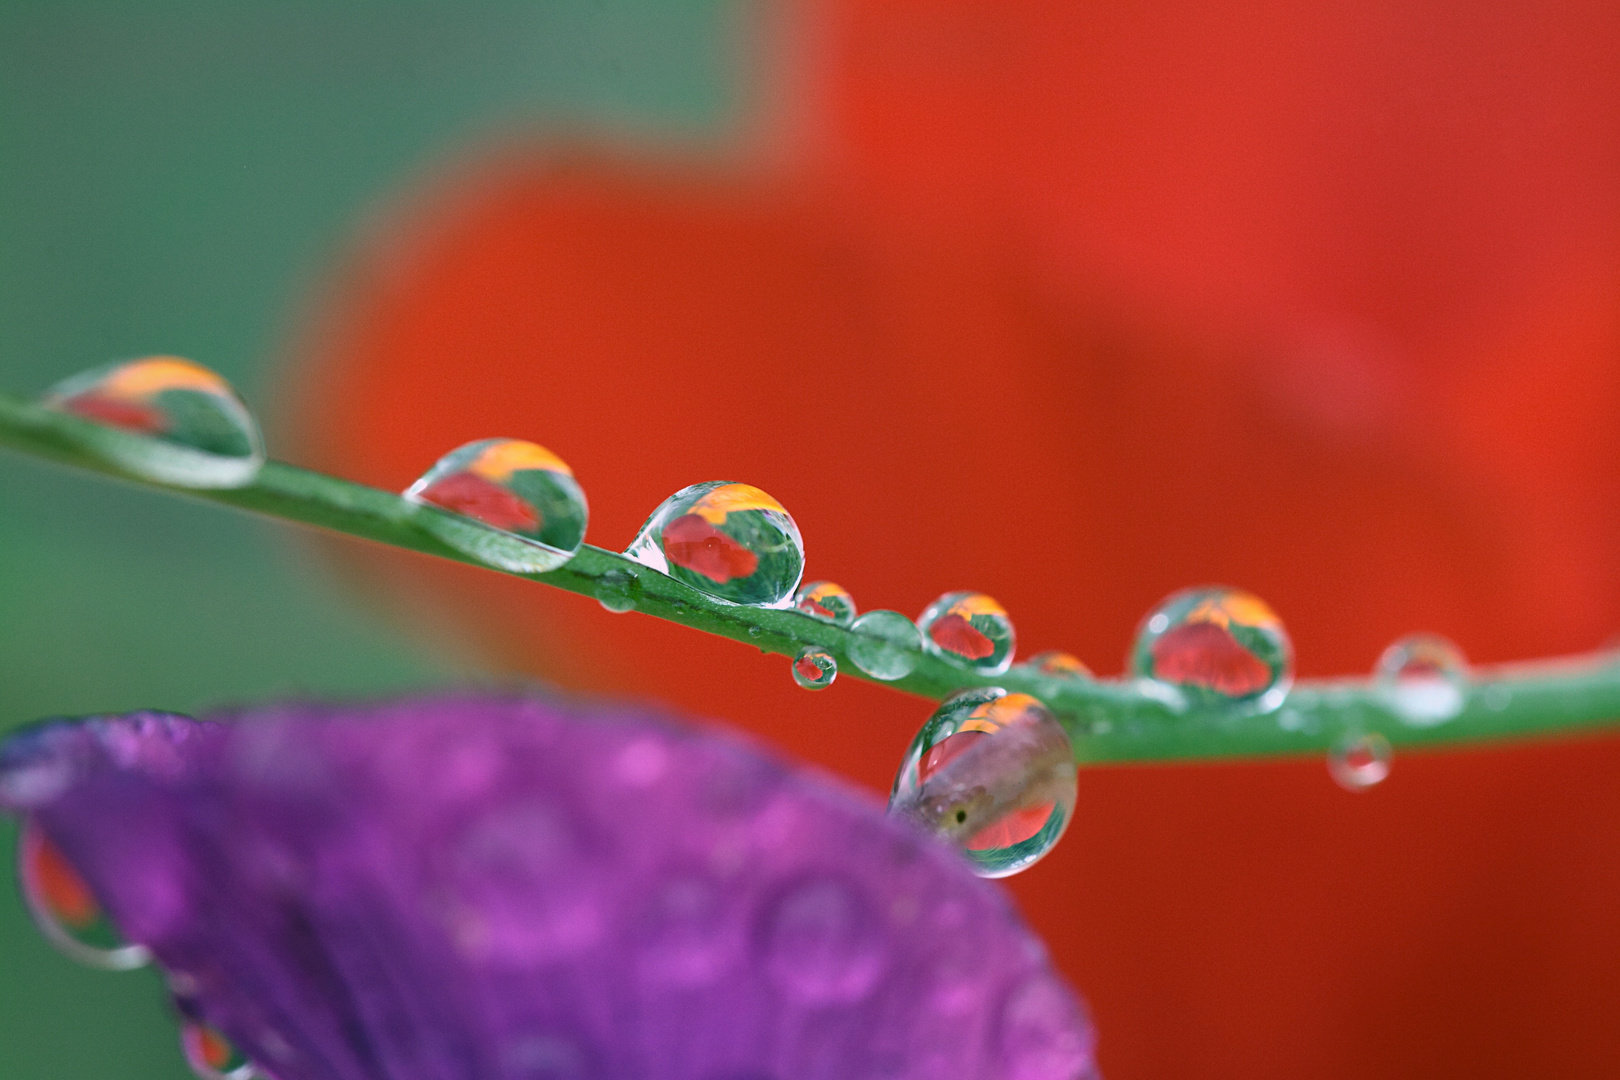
(979, 761)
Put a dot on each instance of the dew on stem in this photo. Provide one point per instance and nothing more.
(814, 668)
(883, 644)
(1218, 648)
(512, 504)
(165, 419)
(1424, 678)
(827, 601)
(1358, 761)
(1055, 664)
(729, 540)
(969, 628)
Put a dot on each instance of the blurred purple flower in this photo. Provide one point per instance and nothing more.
(483, 888)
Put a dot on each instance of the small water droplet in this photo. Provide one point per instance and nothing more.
(883, 643)
(1497, 698)
(1358, 761)
(166, 419)
(969, 628)
(1220, 647)
(729, 540)
(755, 631)
(616, 591)
(827, 601)
(814, 668)
(512, 504)
(820, 944)
(1424, 677)
(994, 772)
(64, 909)
(1055, 664)
(212, 1056)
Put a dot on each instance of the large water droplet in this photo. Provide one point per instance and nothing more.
(883, 644)
(212, 1056)
(1218, 648)
(512, 504)
(729, 540)
(66, 911)
(820, 944)
(1056, 665)
(969, 628)
(616, 591)
(814, 668)
(1424, 677)
(994, 772)
(166, 419)
(827, 601)
(1358, 761)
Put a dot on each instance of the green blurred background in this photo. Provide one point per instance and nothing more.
(175, 177)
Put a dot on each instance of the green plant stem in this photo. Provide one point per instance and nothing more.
(1111, 720)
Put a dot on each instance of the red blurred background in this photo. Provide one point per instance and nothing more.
(1077, 304)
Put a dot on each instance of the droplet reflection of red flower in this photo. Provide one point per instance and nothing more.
(1322, 302)
(693, 543)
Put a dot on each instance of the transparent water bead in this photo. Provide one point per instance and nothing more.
(1055, 664)
(884, 643)
(729, 540)
(1424, 677)
(993, 772)
(512, 504)
(616, 591)
(1359, 761)
(66, 911)
(969, 628)
(166, 419)
(212, 1056)
(827, 601)
(1217, 647)
(814, 668)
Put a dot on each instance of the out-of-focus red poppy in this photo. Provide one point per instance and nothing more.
(1077, 305)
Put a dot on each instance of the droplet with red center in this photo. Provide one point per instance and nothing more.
(1360, 760)
(165, 419)
(827, 601)
(1424, 678)
(509, 503)
(993, 772)
(969, 628)
(212, 1056)
(814, 668)
(1055, 664)
(65, 909)
(729, 540)
(1216, 648)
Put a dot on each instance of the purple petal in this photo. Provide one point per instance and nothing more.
(476, 888)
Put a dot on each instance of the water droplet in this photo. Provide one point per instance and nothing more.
(1219, 647)
(883, 643)
(66, 911)
(1497, 698)
(616, 591)
(1424, 677)
(814, 668)
(827, 601)
(729, 540)
(512, 504)
(212, 1056)
(969, 628)
(166, 419)
(994, 772)
(1358, 761)
(755, 631)
(820, 944)
(1057, 665)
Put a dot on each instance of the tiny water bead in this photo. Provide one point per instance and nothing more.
(212, 1056)
(730, 540)
(616, 591)
(994, 772)
(1217, 647)
(1424, 677)
(1358, 761)
(166, 419)
(1055, 664)
(969, 628)
(66, 911)
(827, 601)
(883, 644)
(512, 504)
(814, 668)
